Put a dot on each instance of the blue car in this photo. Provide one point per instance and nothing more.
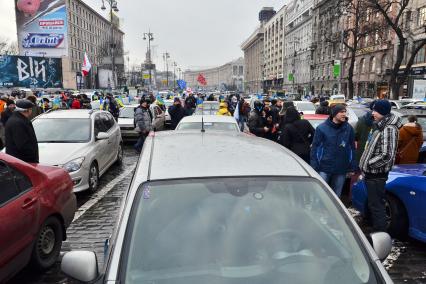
(405, 201)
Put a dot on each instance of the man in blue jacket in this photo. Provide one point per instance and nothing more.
(333, 149)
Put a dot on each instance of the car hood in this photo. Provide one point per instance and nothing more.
(53, 154)
(406, 170)
(125, 121)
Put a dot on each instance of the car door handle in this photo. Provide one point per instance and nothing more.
(29, 202)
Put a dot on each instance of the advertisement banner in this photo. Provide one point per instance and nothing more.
(419, 89)
(30, 72)
(42, 27)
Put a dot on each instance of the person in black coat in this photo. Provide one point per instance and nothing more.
(297, 134)
(323, 108)
(21, 140)
(8, 112)
(176, 112)
(256, 122)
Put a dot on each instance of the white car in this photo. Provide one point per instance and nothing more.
(305, 107)
(83, 142)
(209, 122)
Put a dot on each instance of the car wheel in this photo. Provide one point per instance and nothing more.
(93, 177)
(48, 244)
(396, 218)
(120, 154)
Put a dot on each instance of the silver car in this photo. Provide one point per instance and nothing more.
(214, 208)
(209, 122)
(83, 142)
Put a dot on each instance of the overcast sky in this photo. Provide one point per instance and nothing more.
(196, 33)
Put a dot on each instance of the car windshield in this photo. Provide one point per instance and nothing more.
(62, 130)
(305, 107)
(127, 112)
(241, 230)
(221, 126)
(315, 122)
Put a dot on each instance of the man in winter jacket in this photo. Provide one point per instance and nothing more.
(143, 122)
(323, 108)
(8, 112)
(378, 159)
(297, 134)
(256, 123)
(333, 149)
(176, 112)
(21, 141)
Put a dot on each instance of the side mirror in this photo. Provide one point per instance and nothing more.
(382, 244)
(102, 136)
(80, 265)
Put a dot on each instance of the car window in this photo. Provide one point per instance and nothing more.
(157, 111)
(22, 181)
(100, 124)
(8, 189)
(108, 120)
(241, 230)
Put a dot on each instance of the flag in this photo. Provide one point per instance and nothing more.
(201, 79)
(181, 84)
(85, 69)
(237, 112)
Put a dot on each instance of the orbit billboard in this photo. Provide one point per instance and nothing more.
(42, 27)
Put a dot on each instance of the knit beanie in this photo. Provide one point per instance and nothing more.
(382, 106)
(336, 109)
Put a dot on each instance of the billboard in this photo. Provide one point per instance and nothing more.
(42, 27)
(419, 89)
(30, 72)
(105, 79)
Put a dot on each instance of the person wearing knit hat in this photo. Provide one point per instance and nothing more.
(378, 159)
(333, 149)
(21, 141)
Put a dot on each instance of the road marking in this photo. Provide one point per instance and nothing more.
(100, 194)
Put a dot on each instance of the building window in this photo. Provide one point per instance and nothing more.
(362, 65)
(422, 16)
(372, 64)
(421, 56)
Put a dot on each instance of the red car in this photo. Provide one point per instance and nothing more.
(37, 204)
(315, 119)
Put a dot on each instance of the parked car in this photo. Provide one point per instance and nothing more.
(421, 119)
(86, 143)
(315, 119)
(37, 204)
(127, 117)
(208, 122)
(201, 209)
(305, 106)
(207, 108)
(405, 201)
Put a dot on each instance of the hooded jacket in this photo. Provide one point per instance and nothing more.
(333, 148)
(362, 130)
(380, 150)
(256, 123)
(323, 108)
(409, 143)
(297, 134)
(223, 110)
(176, 112)
(143, 119)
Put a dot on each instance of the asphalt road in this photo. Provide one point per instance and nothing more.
(97, 215)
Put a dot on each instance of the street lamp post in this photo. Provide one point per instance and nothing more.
(150, 37)
(166, 57)
(174, 75)
(113, 7)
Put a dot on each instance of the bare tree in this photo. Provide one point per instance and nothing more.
(393, 12)
(8, 47)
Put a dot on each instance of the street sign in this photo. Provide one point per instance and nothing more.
(336, 68)
(290, 77)
(146, 76)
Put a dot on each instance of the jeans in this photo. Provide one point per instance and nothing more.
(376, 202)
(335, 181)
(139, 144)
(241, 123)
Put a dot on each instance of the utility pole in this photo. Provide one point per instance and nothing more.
(174, 75)
(166, 57)
(150, 37)
(113, 7)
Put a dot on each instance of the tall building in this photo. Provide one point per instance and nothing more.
(298, 47)
(254, 56)
(228, 77)
(67, 29)
(274, 51)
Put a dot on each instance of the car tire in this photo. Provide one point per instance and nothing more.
(47, 245)
(119, 159)
(396, 217)
(93, 177)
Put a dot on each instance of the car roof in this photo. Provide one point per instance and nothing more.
(70, 113)
(406, 112)
(175, 155)
(209, 118)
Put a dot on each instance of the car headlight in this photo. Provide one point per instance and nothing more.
(73, 165)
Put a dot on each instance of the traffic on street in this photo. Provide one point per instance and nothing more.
(288, 145)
